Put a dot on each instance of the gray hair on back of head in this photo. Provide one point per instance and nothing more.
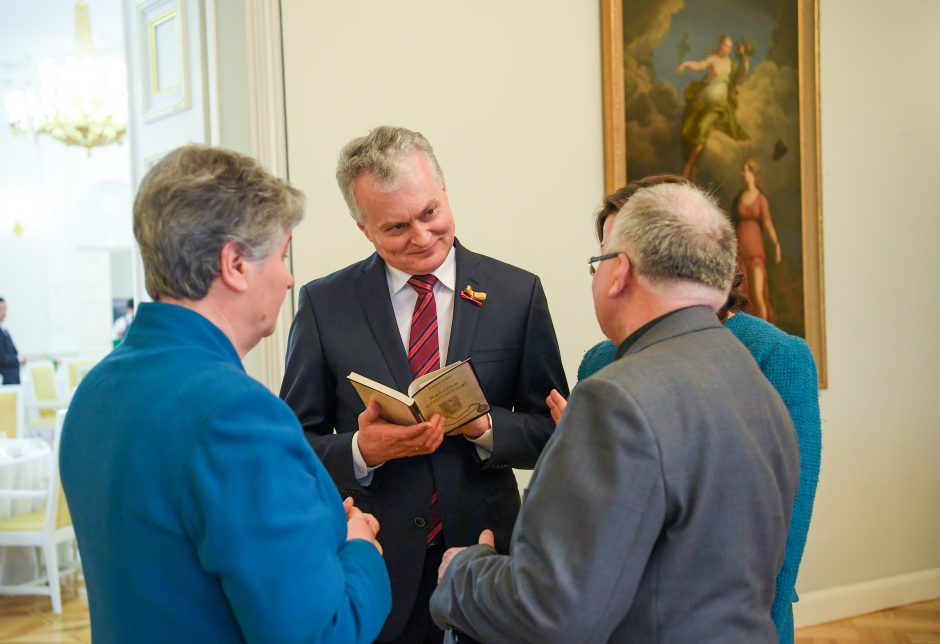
(676, 232)
(380, 152)
(195, 201)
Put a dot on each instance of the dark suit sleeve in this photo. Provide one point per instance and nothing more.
(520, 434)
(310, 389)
(8, 355)
(589, 522)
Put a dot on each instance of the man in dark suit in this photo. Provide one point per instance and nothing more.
(420, 302)
(10, 360)
(659, 509)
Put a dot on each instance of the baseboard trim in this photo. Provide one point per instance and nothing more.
(828, 605)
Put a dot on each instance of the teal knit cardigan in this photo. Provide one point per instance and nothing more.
(788, 365)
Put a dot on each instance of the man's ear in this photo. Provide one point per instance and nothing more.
(364, 231)
(233, 267)
(621, 277)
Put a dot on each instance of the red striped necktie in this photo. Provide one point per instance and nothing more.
(424, 356)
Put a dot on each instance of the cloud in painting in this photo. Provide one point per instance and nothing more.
(653, 107)
(645, 22)
(765, 110)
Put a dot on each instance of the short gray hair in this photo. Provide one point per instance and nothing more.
(196, 200)
(677, 232)
(380, 152)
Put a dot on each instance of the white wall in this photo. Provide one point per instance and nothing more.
(878, 508)
(510, 96)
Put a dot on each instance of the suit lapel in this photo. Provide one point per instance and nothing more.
(372, 290)
(466, 314)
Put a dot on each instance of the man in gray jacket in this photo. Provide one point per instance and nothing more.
(658, 511)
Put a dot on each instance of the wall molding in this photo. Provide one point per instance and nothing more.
(831, 604)
(269, 145)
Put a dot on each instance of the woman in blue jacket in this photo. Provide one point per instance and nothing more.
(201, 513)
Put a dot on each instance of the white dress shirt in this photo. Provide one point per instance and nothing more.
(403, 303)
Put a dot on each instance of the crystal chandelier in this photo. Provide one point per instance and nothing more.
(81, 100)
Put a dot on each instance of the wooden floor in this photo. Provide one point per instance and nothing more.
(914, 624)
(30, 620)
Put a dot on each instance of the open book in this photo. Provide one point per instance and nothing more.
(453, 391)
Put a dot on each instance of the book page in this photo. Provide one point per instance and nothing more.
(455, 394)
(418, 383)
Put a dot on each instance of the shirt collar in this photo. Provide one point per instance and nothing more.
(631, 339)
(446, 274)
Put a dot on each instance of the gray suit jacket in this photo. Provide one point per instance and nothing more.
(658, 511)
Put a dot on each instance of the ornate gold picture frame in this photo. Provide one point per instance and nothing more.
(726, 93)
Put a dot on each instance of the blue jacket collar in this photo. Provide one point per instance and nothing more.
(180, 326)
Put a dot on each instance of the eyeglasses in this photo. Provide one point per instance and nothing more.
(600, 258)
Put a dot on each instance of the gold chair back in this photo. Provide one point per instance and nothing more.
(77, 370)
(43, 379)
(9, 410)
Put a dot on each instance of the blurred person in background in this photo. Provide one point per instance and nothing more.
(123, 323)
(10, 360)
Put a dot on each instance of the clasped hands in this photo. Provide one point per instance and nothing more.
(380, 441)
(361, 525)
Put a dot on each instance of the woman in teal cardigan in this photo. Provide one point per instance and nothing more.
(788, 365)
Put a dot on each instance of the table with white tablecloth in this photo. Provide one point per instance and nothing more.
(25, 464)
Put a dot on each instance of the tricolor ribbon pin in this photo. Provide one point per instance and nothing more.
(477, 297)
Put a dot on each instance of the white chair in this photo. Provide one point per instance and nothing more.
(12, 413)
(43, 398)
(44, 529)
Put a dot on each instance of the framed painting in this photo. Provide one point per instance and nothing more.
(725, 92)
